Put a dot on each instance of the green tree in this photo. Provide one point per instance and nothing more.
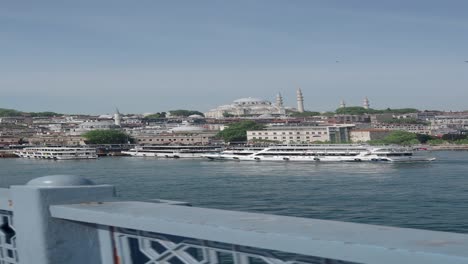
(43, 114)
(226, 114)
(353, 110)
(107, 137)
(436, 141)
(400, 138)
(156, 115)
(238, 131)
(9, 112)
(185, 113)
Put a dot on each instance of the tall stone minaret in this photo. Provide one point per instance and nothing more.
(279, 100)
(117, 117)
(366, 104)
(300, 101)
(342, 104)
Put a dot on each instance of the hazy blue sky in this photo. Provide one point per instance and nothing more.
(145, 56)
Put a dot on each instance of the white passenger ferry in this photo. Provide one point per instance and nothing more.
(57, 153)
(168, 151)
(316, 153)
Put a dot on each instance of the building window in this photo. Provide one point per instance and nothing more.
(254, 137)
(298, 133)
(290, 133)
(253, 133)
(290, 137)
(274, 138)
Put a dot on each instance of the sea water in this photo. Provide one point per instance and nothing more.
(426, 195)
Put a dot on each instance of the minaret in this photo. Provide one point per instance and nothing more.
(279, 100)
(117, 117)
(300, 101)
(366, 104)
(342, 104)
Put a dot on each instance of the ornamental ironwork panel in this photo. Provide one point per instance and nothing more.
(8, 253)
(140, 247)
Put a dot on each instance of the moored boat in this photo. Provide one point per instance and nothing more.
(316, 153)
(57, 153)
(169, 151)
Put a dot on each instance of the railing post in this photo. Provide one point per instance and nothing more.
(42, 239)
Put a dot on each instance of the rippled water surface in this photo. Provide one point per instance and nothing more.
(419, 195)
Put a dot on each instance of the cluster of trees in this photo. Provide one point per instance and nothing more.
(11, 112)
(399, 138)
(107, 137)
(156, 115)
(185, 113)
(408, 138)
(238, 131)
(358, 110)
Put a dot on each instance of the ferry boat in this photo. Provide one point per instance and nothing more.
(57, 153)
(317, 153)
(168, 151)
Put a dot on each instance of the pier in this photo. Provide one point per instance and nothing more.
(68, 219)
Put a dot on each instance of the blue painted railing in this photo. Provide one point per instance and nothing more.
(66, 219)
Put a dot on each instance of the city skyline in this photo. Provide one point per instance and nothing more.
(90, 57)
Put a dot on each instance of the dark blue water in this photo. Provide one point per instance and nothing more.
(419, 195)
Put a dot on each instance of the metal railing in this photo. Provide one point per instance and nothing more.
(66, 219)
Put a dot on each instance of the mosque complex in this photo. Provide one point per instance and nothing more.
(262, 108)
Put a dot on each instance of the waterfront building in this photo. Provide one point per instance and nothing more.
(302, 134)
(9, 140)
(55, 140)
(364, 135)
(413, 128)
(182, 138)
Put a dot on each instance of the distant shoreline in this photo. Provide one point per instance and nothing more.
(449, 147)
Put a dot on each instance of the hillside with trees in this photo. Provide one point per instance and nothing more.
(11, 112)
(185, 113)
(238, 131)
(107, 137)
(358, 110)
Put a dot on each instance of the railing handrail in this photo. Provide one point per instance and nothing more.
(360, 243)
(5, 199)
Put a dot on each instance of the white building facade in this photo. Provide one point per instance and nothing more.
(309, 134)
